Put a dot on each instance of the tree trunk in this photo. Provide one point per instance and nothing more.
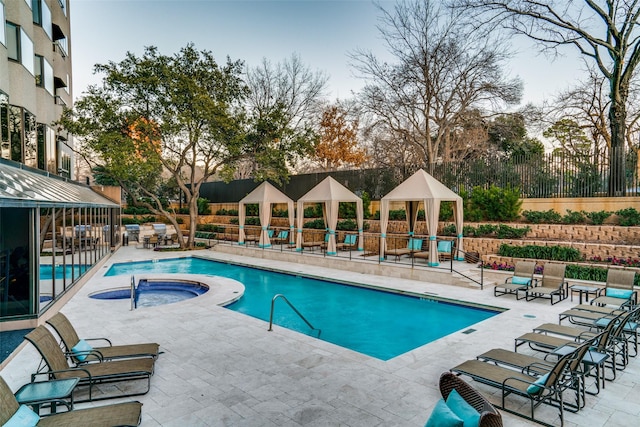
(617, 123)
(193, 221)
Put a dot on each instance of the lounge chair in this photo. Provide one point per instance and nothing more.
(519, 282)
(60, 323)
(551, 285)
(414, 245)
(119, 414)
(489, 416)
(445, 248)
(586, 314)
(316, 243)
(282, 237)
(348, 243)
(93, 373)
(619, 290)
(547, 389)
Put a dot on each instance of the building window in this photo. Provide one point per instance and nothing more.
(42, 15)
(3, 38)
(26, 51)
(44, 74)
(59, 40)
(30, 140)
(13, 41)
(5, 145)
(19, 46)
(15, 133)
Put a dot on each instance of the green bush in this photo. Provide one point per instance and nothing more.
(597, 218)
(136, 210)
(203, 206)
(542, 217)
(553, 253)
(629, 217)
(210, 227)
(277, 213)
(227, 212)
(492, 204)
(317, 224)
(485, 230)
(313, 211)
(574, 217)
(347, 225)
(507, 232)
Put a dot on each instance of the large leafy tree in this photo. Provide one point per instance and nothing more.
(159, 120)
(605, 32)
(338, 142)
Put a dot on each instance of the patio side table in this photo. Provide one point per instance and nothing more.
(52, 392)
(585, 290)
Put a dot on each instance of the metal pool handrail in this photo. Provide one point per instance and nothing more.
(133, 292)
(273, 301)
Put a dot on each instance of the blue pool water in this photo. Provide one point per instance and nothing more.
(60, 271)
(379, 324)
(156, 292)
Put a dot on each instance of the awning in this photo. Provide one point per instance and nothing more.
(27, 188)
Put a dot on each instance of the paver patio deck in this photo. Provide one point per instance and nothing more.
(222, 368)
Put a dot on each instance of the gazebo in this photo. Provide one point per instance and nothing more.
(265, 195)
(422, 187)
(330, 193)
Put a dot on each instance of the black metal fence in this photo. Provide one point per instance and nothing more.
(537, 176)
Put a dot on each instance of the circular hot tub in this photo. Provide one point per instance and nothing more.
(154, 292)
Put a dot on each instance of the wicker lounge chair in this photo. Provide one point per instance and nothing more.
(90, 374)
(350, 241)
(311, 244)
(519, 282)
(489, 416)
(619, 290)
(551, 285)
(70, 339)
(547, 389)
(282, 237)
(445, 249)
(413, 246)
(119, 414)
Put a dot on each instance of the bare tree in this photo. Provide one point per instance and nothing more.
(440, 72)
(604, 31)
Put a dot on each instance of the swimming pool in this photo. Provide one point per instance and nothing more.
(61, 271)
(380, 324)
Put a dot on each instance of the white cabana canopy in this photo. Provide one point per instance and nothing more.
(422, 187)
(265, 195)
(330, 193)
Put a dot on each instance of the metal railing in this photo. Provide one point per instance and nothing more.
(273, 302)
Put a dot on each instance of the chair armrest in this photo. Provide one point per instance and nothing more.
(52, 373)
(91, 356)
(107, 340)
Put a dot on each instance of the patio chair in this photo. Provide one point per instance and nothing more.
(519, 282)
(348, 243)
(84, 352)
(414, 245)
(282, 237)
(90, 374)
(587, 314)
(489, 416)
(578, 367)
(618, 290)
(551, 285)
(118, 414)
(545, 389)
(445, 248)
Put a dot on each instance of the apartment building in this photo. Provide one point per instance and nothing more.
(53, 230)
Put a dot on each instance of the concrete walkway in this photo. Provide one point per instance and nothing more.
(222, 368)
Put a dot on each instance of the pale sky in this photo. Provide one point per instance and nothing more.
(322, 32)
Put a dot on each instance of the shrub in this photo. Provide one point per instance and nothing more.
(574, 217)
(210, 227)
(203, 206)
(492, 204)
(317, 224)
(554, 253)
(313, 211)
(507, 232)
(485, 230)
(347, 225)
(629, 217)
(597, 218)
(227, 212)
(542, 217)
(136, 210)
(277, 213)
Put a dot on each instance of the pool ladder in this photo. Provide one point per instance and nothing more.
(273, 302)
